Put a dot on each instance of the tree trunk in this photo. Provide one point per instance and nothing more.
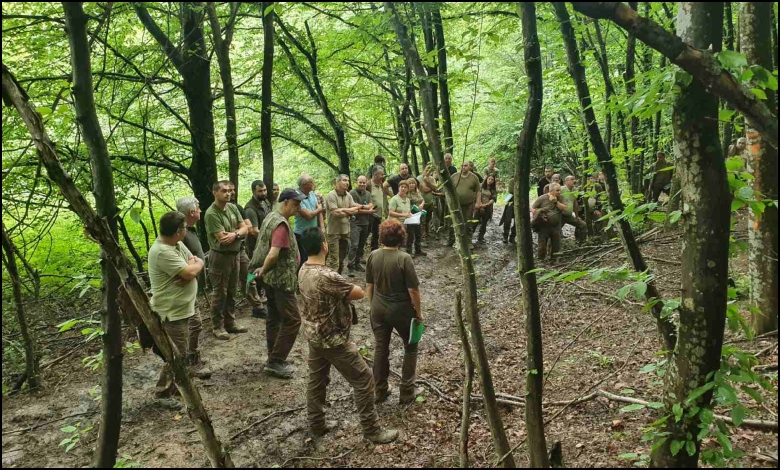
(629, 78)
(728, 126)
(430, 47)
(534, 420)
(700, 63)
(419, 134)
(444, 89)
(98, 229)
(468, 375)
(458, 221)
(265, 116)
(702, 169)
(103, 188)
(665, 326)
(32, 371)
(222, 49)
(192, 62)
(756, 33)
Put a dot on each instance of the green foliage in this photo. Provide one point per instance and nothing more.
(75, 432)
(126, 461)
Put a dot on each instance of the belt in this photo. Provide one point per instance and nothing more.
(226, 252)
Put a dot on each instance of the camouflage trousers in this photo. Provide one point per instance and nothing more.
(185, 335)
(223, 274)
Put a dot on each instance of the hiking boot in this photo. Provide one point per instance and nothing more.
(382, 436)
(383, 397)
(235, 329)
(505, 240)
(220, 333)
(329, 426)
(350, 271)
(197, 367)
(279, 370)
(261, 312)
(408, 399)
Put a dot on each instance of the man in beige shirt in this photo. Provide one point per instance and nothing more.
(340, 207)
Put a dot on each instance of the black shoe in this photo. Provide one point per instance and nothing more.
(505, 241)
(350, 272)
(260, 313)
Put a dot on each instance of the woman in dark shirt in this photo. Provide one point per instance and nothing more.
(393, 290)
(484, 207)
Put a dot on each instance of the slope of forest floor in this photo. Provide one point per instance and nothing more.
(592, 340)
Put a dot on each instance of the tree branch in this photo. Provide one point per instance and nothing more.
(308, 148)
(170, 50)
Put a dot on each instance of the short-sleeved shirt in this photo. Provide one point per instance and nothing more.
(392, 274)
(415, 198)
(325, 314)
(486, 196)
(494, 172)
(301, 222)
(403, 206)
(427, 197)
(338, 225)
(281, 240)
(218, 220)
(466, 188)
(363, 199)
(393, 182)
(192, 242)
(172, 302)
(378, 199)
(568, 197)
(553, 212)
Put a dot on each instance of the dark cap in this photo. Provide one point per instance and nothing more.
(293, 194)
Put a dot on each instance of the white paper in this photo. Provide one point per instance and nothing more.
(507, 198)
(414, 219)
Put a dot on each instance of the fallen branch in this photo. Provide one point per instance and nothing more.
(36, 426)
(284, 464)
(272, 415)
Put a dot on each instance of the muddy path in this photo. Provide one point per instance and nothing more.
(593, 340)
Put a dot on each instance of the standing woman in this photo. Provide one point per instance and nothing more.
(427, 185)
(393, 292)
(414, 231)
(484, 206)
(400, 207)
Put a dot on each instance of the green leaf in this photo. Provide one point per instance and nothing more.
(623, 291)
(572, 276)
(269, 8)
(640, 288)
(535, 270)
(676, 446)
(43, 111)
(759, 93)
(656, 405)
(734, 164)
(630, 408)
(68, 325)
(68, 429)
(135, 214)
(648, 368)
(738, 415)
(745, 193)
(752, 393)
(677, 410)
(724, 440)
(727, 394)
(731, 59)
(628, 456)
(547, 276)
(674, 216)
(696, 393)
(71, 446)
(725, 114)
(690, 447)
(627, 391)
(420, 399)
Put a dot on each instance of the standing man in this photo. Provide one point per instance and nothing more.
(403, 175)
(556, 178)
(473, 169)
(249, 290)
(310, 213)
(173, 272)
(275, 200)
(491, 169)
(544, 181)
(508, 216)
(225, 230)
(339, 206)
(379, 163)
(448, 164)
(466, 187)
(379, 194)
(327, 320)
(569, 198)
(662, 179)
(359, 225)
(547, 212)
(275, 262)
(190, 207)
(257, 208)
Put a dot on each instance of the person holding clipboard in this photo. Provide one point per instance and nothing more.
(393, 291)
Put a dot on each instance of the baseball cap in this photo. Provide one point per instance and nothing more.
(293, 194)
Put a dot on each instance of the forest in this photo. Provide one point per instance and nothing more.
(648, 338)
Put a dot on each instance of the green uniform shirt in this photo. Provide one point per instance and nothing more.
(493, 172)
(338, 225)
(466, 187)
(217, 221)
(172, 302)
(403, 206)
(568, 198)
(378, 199)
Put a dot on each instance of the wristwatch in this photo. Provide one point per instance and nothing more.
(238, 237)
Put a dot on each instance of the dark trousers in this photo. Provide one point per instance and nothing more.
(484, 217)
(223, 273)
(468, 215)
(553, 234)
(580, 229)
(184, 335)
(304, 256)
(413, 238)
(383, 323)
(358, 234)
(351, 365)
(375, 221)
(282, 324)
(251, 291)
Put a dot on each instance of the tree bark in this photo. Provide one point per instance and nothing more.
(629, 78)
(32, 369)
(700, 63)
(430, 47)
(756, 32)
(191, 60)
(265, 115)
(103, 188)
(665, 326)
(222, 49)
(468, 375)
(458, 221)
(534, 420)
(444, 89)
(728, 126)
(98, 229)
(702, 170)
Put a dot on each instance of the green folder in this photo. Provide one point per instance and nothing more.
(249, 278)
(416, 329)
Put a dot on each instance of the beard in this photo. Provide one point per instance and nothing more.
(262, 198)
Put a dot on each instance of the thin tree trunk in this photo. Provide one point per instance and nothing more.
(665, 326)
(444, 89)
(98, 228)
(32, 370)
(139, 262)
(103, 188)
(657, 125)
(629, 78)
(222, 49)
(756, 33)
(430, 47)
(458, 221)
(728, 127)
(419, 134)
(534, 420)
(468, 374)
(265, 116)
(702, 169)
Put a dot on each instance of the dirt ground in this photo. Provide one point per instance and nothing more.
(592, 340)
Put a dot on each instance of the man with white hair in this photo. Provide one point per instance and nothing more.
(311, 212)
(340, 207)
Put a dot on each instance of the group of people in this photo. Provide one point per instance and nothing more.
(297, 273)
